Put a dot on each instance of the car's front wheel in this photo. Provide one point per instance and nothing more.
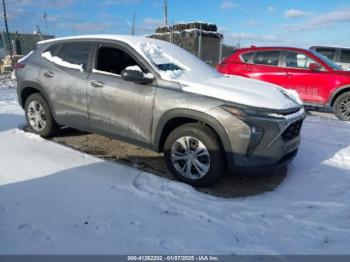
(194, 155)
(39, 117)
(342, 107)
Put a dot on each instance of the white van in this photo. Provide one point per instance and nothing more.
(340, 55)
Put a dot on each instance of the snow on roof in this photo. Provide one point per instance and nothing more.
(123, 38)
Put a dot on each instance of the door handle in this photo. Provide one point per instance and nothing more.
(49, 74)
(96, 84)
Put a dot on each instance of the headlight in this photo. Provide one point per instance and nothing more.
(257, 132)
(249, 112)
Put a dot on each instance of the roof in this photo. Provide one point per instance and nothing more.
(255, 48)
(123, 38)
(330, 46)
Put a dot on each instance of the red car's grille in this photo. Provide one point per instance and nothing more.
(292, 131)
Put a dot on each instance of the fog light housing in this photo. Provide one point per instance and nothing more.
(256, 136)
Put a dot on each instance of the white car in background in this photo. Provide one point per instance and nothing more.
(340, 55)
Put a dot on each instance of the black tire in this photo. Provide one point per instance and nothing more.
(342, 107)
(50, 127)
(210, 140)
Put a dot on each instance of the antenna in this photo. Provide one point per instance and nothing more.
(165, 12)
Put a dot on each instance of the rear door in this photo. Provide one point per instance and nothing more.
(117, 107)
(63, 74)
(265, 66)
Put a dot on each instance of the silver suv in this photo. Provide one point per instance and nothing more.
(156, 95)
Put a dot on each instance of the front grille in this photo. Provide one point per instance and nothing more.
(292, 131)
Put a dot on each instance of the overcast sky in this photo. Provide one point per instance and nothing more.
(259, 22)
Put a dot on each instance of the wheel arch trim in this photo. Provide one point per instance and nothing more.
(336, 93)
(34, 85)
(194, 115)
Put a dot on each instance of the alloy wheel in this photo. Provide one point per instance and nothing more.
(36, 116)
(345, 107)
(190, 157)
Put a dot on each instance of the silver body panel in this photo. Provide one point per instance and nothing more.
(139, 113)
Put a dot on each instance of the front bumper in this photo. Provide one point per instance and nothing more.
(263, 169)
(277, 148)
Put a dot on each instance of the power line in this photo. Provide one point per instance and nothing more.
(48, 16)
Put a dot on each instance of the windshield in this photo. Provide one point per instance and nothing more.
(173, 62)
(326, 60)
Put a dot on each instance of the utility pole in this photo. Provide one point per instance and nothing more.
(165, 12)
(45, 19)
(39, 32)
(73, 29)
(7, 32)
(133, 24)
(221, 47)
(200, 42)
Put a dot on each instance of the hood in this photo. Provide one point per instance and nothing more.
(241, 90)
(196, 77)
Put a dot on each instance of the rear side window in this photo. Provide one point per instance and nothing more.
(327, 52)
(75, 53)
(246, 57)
(345, 56)
(267, 58)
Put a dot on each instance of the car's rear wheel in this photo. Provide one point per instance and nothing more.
(194, 155)
(39, 116)
(342, 107)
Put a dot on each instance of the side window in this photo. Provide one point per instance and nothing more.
(328, 52)
(53, 49)
(269, 58)
(113, 60)
(345, 56)
(75, 53)
(246, 57)
(298, 60)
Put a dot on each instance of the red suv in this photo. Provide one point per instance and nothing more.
(318, 80)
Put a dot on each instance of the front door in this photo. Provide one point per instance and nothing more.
(117, 107)
(309, 84)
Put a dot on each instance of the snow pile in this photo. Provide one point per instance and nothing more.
(295, 96)
(8, 81)
(134, 68)
(55, 200)
(59, 61)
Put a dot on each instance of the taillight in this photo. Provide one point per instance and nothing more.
(19, 66)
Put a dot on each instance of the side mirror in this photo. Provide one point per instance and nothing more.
(83, 67)
(134, 74)
(314, 67)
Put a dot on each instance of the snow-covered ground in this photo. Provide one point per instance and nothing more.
(55, 200)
